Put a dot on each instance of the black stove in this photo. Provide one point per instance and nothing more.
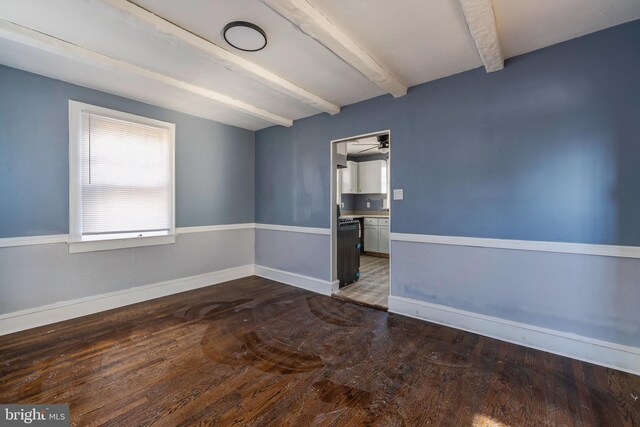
(348, 250)
(345, 221)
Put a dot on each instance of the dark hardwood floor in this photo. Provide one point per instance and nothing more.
(256, 352)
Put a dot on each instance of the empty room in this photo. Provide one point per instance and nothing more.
(320, 213)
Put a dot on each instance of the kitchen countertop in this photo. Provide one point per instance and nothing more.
(364, 216)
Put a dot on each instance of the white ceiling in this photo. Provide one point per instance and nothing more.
(414, 40)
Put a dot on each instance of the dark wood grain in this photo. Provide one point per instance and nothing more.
(256, 352)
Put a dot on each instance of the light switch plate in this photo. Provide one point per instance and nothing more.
(342, 205)
(368, 204)
(398, 194)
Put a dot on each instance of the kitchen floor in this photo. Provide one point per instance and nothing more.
(372, 288)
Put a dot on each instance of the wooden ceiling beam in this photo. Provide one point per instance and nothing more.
(316, 25)
(482, 25)
(214, 53)
(47, 43)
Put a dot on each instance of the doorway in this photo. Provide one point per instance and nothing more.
(361, 218)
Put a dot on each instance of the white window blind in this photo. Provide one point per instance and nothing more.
(126, 174)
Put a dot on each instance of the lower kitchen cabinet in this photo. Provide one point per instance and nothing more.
(371, 241)
(376, 235)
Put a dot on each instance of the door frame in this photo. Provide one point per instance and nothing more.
(333, 256)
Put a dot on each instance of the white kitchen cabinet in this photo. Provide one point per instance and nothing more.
(350, 178)
(376, 235)
(372, 177)
(371, 235)
(341, 154)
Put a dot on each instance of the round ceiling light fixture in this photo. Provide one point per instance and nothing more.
(245, 36)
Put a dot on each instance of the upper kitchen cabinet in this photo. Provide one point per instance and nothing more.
(372, 177)
(341, 155)
(350, 178)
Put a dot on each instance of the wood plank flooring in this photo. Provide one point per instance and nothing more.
(254, 352)
(372, 288)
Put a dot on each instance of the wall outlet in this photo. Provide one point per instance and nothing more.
(368, 204)
(398, 194)
(342, 205)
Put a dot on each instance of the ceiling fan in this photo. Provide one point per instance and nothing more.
(382, 145)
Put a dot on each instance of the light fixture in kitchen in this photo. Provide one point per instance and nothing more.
(245, 36)
(383, 144)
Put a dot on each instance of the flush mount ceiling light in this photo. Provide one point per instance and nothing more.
(245, 36)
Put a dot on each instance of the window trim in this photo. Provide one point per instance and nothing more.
(76, 244)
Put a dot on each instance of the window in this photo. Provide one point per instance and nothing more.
(121, 181)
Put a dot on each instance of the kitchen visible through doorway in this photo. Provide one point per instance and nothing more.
(362, 218)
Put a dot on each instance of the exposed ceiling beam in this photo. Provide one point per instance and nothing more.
(482, 25)
(316, 25)
(218, 55)
(44, 42)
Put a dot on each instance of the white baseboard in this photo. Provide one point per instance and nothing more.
(335, 286)
(611, 355)
(65, 310)
(320, 286)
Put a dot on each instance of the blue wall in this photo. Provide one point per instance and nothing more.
(358, 202)
(214, 162)
(546, 149)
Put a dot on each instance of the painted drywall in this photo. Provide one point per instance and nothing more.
(299, 253)
(37, 275)
(546, 149)
(214, 162)
(214, 185)
(591, 296)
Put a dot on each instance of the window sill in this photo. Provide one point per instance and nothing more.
(106, 245)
